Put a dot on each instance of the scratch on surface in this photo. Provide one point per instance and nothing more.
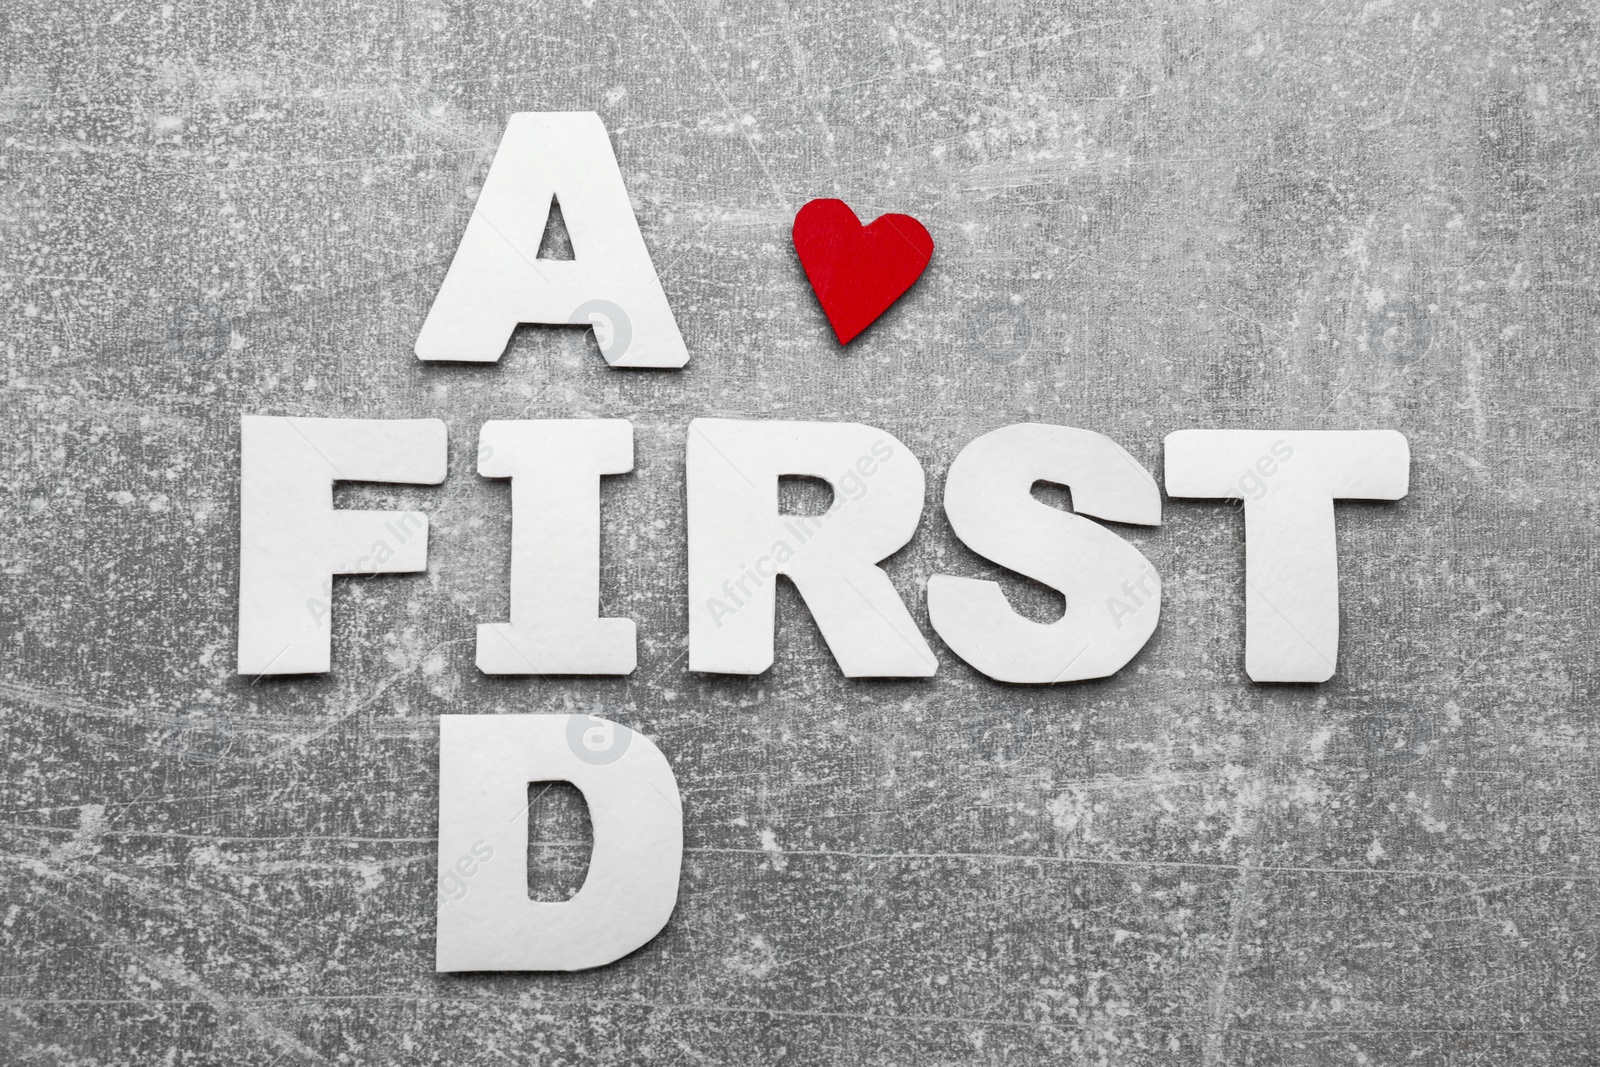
(173, 971)
(1003, 857)
(1219, 1003)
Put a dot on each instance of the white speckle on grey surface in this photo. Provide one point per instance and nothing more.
(1148, 217)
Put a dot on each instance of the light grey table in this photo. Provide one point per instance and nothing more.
(1148, 218)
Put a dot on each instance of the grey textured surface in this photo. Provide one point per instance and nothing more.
(1148, 217)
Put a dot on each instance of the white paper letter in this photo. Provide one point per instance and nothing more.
(555, 467)
(1113, 593)
(496, 280)
(738, 543)
(1288, 480)
(486, 920)
(292, 541)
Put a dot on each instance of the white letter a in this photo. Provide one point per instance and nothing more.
(497, 280)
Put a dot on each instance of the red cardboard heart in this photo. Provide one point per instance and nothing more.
(858, 271)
